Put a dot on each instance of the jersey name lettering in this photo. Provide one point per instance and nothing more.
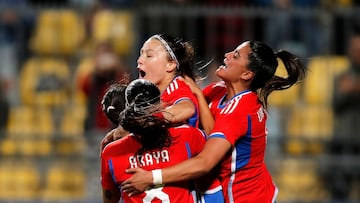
(151, 158)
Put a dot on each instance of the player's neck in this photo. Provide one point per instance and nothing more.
(234, 89)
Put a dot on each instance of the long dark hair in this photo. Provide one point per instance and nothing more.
(142, 116)
(263, 62)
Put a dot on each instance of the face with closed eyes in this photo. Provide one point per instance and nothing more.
(154, 64)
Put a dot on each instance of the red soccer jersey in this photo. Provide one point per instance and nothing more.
(241, 121)
(177, 91)
(215, 95)
(120, 155)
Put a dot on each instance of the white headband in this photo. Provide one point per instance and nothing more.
(169, 50)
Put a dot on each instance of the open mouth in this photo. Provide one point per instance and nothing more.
(142, 73)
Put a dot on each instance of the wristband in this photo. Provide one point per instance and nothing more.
(157, 176)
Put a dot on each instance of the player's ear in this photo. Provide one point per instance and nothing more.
(171, 66)
(247, 75)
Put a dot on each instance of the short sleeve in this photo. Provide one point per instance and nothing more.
(230, 126)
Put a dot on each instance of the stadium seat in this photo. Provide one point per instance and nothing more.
(26, 147)
(308, 129)
(297, 179)
(64, 182)
(313, 122)
(34, 147)
(20, 121)
(45, 34)
(8, 147)
(19, 181)
(102, 23)
(70, 147)
(344, 3)
(72, 121)
(295, 147)
(318, 84)
(72, 32)
(44, 82)
(116, 27)
(57, 32)
(30, 122)
(302, 146)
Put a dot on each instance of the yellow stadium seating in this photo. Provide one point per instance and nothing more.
(116, 27)
(34, 147)
(19, 181)
(64, 182)
(295, 147)
(44, 82)
(20, 121)
(70, 147)
(57, 32)
(8, 147)
(45, 36)
(72, 121)
(315, 122)
(26, 147)
(72, 32)
(318, 84)
(344, 3)
(297, 179)
(307, 129)
(29, 121)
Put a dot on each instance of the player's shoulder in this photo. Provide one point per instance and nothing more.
(184, 127)
(187, 130)
(118, 144)
(241, 103)
(177, 84)
(214, 88)
(247, 98)
(216, 85)
(192, 138)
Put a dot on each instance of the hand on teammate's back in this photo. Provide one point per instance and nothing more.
(111, 136)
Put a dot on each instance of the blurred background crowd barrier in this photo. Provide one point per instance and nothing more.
(56, 57)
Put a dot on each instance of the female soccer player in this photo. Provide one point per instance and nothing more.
(165, 60)
(152, 144)
(238, 139)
